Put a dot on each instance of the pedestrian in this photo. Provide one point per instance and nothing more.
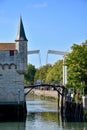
(78, 97)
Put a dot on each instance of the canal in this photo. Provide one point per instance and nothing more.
(42, 115)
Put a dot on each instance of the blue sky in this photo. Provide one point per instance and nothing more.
(49, 25)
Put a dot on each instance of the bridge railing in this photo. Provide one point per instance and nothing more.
(56, 87)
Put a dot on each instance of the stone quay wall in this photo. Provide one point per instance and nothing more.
(46, 93)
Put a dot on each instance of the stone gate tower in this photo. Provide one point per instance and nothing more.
(21, 46)
(13, 64)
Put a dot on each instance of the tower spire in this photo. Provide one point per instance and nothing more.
(21, 33)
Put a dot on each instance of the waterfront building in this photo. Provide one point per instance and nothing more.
(13, 64)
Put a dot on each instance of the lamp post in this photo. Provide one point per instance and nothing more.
(63, 53)
(34, 52)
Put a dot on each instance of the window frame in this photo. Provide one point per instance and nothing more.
(11, 52)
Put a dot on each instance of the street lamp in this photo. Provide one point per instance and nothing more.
(34, 52)
(63, 53)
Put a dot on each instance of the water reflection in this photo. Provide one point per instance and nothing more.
(41, 121)
(12, 126)
(41, 106)
(51, 121)
(42, 115)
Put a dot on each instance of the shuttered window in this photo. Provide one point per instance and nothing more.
(11, 52)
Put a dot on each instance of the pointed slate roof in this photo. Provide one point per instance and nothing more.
(21, 33)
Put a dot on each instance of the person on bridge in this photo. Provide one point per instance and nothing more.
(68, 97)
(78, 97)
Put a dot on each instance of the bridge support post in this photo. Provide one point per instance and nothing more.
(62, 103)
(58, 101)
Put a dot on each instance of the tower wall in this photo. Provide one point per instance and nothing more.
(11, 84)
(21, 56)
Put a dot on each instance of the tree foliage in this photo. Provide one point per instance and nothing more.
(47, 73)
(29, 74)
(41, 73)
(54, 75)
(77, 64)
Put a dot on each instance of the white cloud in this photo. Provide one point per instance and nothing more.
(40, 5)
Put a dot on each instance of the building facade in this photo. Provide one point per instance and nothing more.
(13, 64)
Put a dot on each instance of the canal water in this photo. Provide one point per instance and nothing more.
(42, 115)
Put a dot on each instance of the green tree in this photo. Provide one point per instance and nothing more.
(54, 75)
(76, 62)
(29, 74)
(41, 73)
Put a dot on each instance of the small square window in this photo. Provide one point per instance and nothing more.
(11, 53)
